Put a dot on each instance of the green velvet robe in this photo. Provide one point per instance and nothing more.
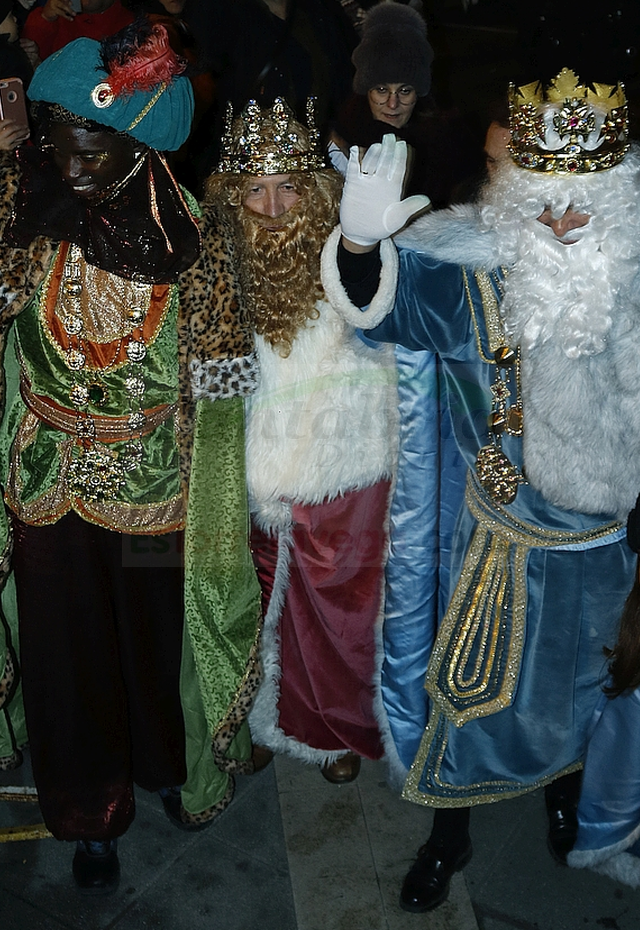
(220, 672)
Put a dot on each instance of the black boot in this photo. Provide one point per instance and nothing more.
(96, 869)
(447, 851)
(561, 801)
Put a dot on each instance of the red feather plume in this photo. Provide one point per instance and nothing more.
(151, 63)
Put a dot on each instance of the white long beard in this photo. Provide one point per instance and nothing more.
(582, 423)
(575, 312)
(561, 293)
(565, 293)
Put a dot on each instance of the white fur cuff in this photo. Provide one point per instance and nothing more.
(334, 290)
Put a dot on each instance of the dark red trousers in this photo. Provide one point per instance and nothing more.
(100, 654)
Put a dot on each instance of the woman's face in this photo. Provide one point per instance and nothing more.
(90, 162)
(173, 7)
(9, 25)
(392, 103)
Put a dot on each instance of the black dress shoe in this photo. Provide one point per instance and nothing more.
(172, 802)
(261, 757)
(426, 884)
(563, 826)
(96, 869)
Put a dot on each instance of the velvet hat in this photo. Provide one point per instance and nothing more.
(130, 82)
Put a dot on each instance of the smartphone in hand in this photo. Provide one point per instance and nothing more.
(12, 102)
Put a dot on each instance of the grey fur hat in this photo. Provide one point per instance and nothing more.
(393, 49)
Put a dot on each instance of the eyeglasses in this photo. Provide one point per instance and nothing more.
(406, 94)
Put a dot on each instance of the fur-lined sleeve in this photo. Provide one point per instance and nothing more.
(336, 294)
(22, 269)
(456, 236)
(216, 348)
(216, 341)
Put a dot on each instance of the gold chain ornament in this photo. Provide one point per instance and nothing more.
(499, 477)
(97, 473)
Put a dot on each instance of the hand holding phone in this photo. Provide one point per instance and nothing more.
(11, 135)
(13, 107)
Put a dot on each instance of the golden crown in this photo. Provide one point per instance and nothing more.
(270, 141)
(568, 128)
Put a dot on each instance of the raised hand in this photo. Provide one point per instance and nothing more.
(55, 8)
(371, 207)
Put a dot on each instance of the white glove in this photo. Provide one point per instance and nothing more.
(371, 208)
(337, 158)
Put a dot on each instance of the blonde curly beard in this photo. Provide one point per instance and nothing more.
(281, 269)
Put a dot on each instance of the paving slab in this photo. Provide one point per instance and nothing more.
(19, 915)
(349, 848)
(232, 876)
(514, 882)
(332, 872)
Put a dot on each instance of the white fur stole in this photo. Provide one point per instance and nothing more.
(323, 420)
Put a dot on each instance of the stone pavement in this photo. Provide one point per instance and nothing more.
(296, 853)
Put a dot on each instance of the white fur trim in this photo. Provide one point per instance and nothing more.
(607, 857)
(397, 771)
(384, 297)
(272, 515)
(613, 861)
(621, 868)
(456, 235)
(263, 718)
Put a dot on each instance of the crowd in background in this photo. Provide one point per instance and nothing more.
(239, 50)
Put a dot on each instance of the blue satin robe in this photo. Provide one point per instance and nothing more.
(574, 593)
(609, 810)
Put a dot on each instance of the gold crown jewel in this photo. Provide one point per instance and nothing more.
(568, 128)
(270, 141)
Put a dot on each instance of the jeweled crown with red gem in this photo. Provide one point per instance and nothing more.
(568, 128)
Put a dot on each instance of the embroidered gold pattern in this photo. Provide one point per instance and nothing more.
(428, 762)
(109, 322)
(495, 518)
(158, 517)
(94, 307)
(475, 663)
(474, 667)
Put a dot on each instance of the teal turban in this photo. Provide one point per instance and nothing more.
(75, 78)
